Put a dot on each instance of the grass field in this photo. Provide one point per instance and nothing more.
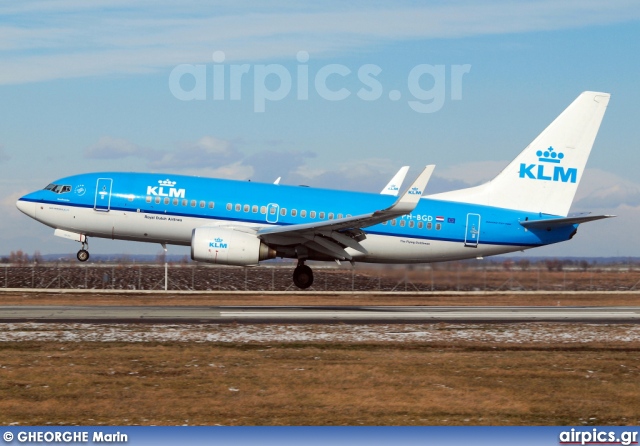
(457, 382)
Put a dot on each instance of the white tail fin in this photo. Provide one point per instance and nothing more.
(545, 176)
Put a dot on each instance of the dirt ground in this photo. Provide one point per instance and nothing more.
(98, 297)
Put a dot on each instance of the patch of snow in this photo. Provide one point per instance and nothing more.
(516, 333)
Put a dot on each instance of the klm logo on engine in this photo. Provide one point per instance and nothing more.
(218, 243)
(165, 189)
(549, 168)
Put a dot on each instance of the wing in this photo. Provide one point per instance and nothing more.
(331, 237)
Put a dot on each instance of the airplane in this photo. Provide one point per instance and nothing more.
(231, 222)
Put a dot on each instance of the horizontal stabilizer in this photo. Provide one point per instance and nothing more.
(558, 222)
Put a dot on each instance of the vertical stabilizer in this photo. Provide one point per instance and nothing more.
(545, 176)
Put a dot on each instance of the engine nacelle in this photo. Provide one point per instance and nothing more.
(226, 246)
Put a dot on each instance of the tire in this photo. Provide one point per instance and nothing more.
(303, 277)
(83, 255)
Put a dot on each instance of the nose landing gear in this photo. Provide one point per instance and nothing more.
(302, 275)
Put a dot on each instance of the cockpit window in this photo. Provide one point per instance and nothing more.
(58, 188)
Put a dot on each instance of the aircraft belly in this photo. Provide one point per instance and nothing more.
(386, 249)
(154, 227)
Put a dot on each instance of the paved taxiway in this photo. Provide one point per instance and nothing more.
(324, 314)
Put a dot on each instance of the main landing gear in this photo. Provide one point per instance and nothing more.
(302, 275)
(83, 254)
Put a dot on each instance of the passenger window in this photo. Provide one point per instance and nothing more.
(211, 205)
(402, 223)
(393, 222)
(283, 211)
(411, 224)
(229, 206)
(272, 211)
(148, 200)
(420, 225)
(193, 203)
(312, 214)
(238, 207)
(175, 202)
(385, 222)
(339, 215)
(330, 215)
(349, 215)
(429, 225)
(321, 215)
(303, 214)
(254, 209)
(294, 212)
(184, 202)
(438, 226)
(202, 204)
(157, 200)
(166, 200)
(263, 210)
(246, 208)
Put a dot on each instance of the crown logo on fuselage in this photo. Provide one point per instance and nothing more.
(166, 189)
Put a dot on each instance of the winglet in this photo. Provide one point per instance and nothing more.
(277, 181)
(393, 187)
(410, 198)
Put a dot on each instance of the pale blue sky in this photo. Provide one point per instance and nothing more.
(84, 86)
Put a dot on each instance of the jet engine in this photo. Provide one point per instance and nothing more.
(228, 246)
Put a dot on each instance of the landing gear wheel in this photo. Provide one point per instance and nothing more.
(83, 255)
(303, 277)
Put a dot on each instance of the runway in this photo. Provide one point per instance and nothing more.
(314, 314)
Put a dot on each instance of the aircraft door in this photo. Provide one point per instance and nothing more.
(103, 195)
(272, 213)
(472, 235)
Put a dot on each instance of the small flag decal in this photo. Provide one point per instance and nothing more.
(451, 220)
(439, 218)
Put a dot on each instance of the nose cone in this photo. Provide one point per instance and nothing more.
(27, 207)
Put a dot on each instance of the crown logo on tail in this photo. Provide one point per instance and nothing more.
(550, 156)
(166, 182)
